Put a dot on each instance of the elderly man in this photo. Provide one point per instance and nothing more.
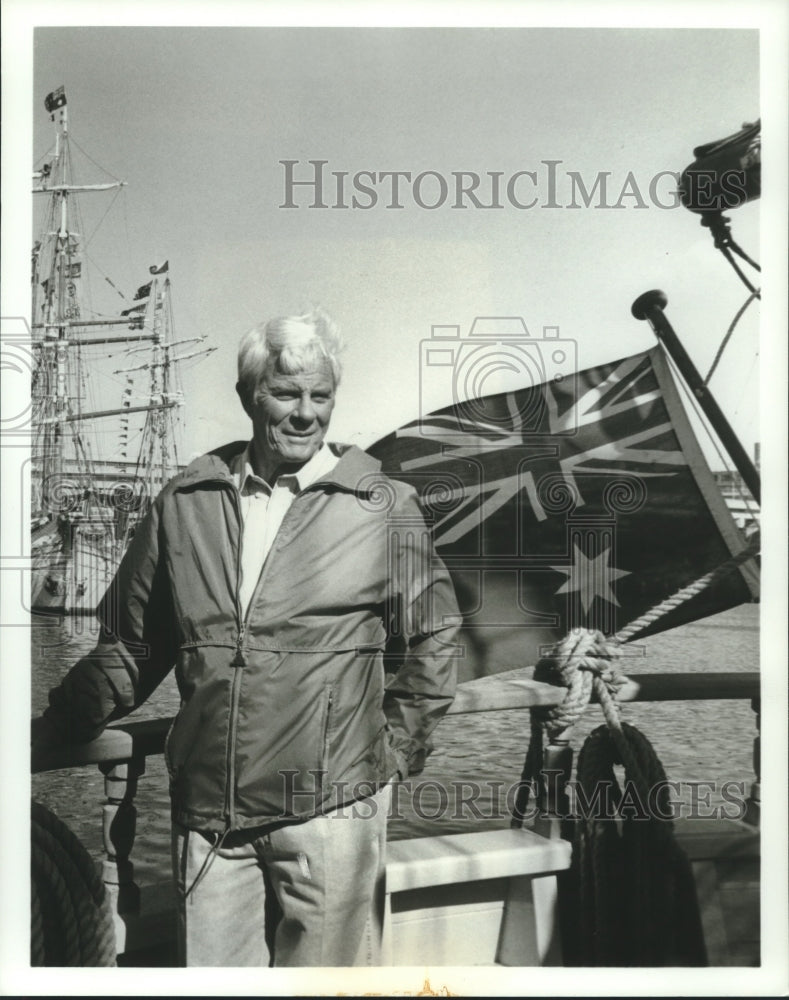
(278, 576)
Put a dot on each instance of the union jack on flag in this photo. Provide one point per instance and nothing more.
(582, 502)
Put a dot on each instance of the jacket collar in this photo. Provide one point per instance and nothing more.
(354, 472)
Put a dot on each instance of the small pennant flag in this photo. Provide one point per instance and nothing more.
(143, 291)
(55, 100)
(159, 268)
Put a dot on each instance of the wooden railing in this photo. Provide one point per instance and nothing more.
(120, 752)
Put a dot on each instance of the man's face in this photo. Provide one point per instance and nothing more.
(290, 414)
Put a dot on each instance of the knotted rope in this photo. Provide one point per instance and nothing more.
(583, 662)
(70, 919)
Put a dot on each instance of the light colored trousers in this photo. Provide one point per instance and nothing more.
(319, 882)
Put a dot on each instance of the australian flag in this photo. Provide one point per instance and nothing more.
(580, 501)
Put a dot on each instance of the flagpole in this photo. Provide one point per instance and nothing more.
(649, 307)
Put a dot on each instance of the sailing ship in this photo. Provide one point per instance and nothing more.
(106, 394)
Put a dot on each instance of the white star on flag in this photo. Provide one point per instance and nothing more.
(590, 577)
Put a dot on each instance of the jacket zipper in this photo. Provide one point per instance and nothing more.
(239, 660)
(238, 663)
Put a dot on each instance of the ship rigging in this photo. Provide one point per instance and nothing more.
(106, 435)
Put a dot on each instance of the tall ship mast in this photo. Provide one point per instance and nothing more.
(106, 394)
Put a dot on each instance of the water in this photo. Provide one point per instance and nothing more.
(709, 742)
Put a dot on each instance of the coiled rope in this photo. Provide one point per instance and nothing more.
(70, 919)
(629, 898)
(634, 889)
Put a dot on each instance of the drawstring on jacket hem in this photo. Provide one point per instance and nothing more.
(206, 865)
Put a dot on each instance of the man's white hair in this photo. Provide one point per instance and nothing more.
(291, 344)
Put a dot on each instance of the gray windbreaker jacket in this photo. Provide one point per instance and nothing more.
(284, 712)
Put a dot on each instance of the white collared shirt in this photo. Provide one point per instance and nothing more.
(263, 509)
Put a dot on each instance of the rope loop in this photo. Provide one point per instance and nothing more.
(629, 898)
(584, 661)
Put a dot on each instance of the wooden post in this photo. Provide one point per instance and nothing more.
(753, 804)
(533, 903)
(553, 803)
(119, 817)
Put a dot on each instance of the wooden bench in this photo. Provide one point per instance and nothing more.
(473, 899)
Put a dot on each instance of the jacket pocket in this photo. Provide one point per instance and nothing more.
(326, 732)
(177, 752)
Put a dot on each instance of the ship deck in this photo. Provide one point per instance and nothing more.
(487, 898)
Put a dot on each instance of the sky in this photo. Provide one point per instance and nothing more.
(197, 121)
